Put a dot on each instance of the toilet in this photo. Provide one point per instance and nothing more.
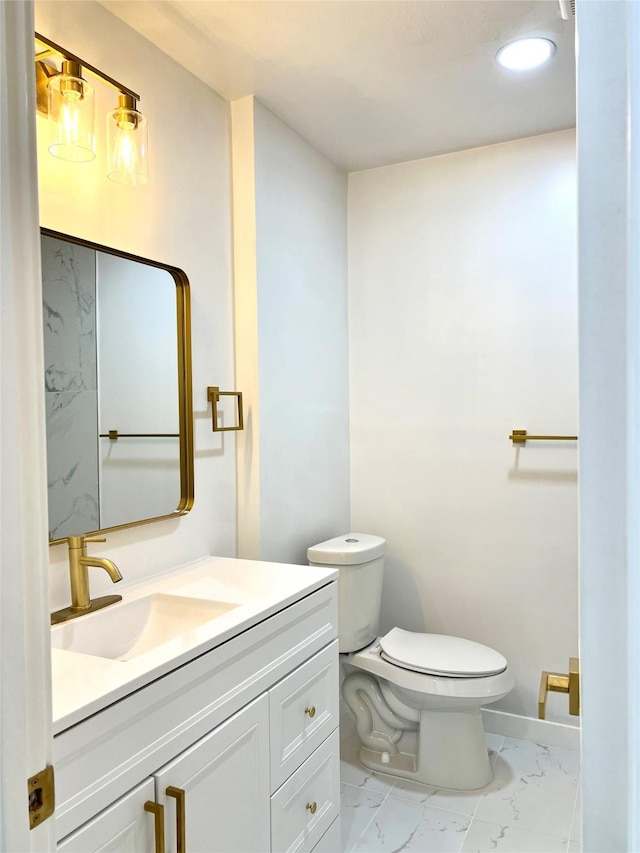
(416, 697)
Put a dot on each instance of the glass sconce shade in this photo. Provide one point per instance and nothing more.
(127, 141)
(71, 115)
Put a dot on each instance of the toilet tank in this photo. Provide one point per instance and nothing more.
(359, 559)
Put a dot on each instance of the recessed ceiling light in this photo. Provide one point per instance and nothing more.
(523, 54)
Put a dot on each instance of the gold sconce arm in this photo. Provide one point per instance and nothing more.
(556, 682)
(213, 396)
(51, 48)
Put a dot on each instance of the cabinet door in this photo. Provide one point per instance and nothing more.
(124, 827)
(225, 780)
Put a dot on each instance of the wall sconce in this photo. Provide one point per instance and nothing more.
(67, 99)
(127, 141)
(71, 115)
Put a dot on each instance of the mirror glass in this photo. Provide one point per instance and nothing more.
(117, 388)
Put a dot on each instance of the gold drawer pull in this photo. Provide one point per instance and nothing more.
(312, 807)
(158, 819)
(181, 829)
(311, 712)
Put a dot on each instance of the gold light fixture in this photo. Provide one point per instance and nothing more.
(127, 143)
(71, 115)
(67, 99)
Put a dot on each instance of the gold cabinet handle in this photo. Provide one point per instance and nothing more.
(181, 824)
(213, 396)
(311, 711)
(312, 807)
(158, 819)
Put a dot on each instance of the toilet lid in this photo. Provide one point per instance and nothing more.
(438, 654)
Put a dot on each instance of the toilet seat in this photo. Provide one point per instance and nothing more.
(442, 689)
(441, 655)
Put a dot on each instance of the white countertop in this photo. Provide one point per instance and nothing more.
(84, 684)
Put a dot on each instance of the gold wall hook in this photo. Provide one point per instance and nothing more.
(213, 396)
(557, 682)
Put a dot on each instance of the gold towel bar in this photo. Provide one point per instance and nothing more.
(519, 436)
(114, 435)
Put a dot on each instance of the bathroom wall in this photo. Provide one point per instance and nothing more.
(182, 218)
(290, 209)
(463, 326)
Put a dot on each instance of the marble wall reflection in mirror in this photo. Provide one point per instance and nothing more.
(117, 357)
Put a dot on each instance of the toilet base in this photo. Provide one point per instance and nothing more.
(451, 752)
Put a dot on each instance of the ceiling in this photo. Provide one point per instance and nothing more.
(373, 82)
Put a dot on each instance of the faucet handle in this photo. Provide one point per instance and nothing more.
(100, 539)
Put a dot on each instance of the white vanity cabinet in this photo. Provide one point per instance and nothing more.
(238, 746)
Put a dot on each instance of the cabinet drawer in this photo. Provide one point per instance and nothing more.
(304, 709)
(331, 841)
(317, 784)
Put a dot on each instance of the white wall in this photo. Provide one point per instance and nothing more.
(181, 218)
(463, 326)
(291, 297)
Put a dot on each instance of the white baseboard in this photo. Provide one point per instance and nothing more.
(529, 728)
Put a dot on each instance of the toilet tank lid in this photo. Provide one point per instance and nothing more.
(348, 550)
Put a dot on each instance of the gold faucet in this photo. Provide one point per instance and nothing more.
(79, 562)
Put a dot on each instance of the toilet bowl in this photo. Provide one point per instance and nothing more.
(416, 697)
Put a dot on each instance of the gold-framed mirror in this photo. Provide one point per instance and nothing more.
(117, 345)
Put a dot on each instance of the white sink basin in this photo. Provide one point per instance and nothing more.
(129, 629)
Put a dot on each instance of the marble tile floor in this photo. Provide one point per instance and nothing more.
(532, 806)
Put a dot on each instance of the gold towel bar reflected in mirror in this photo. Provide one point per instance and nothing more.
(519, 436)
(114, 435)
